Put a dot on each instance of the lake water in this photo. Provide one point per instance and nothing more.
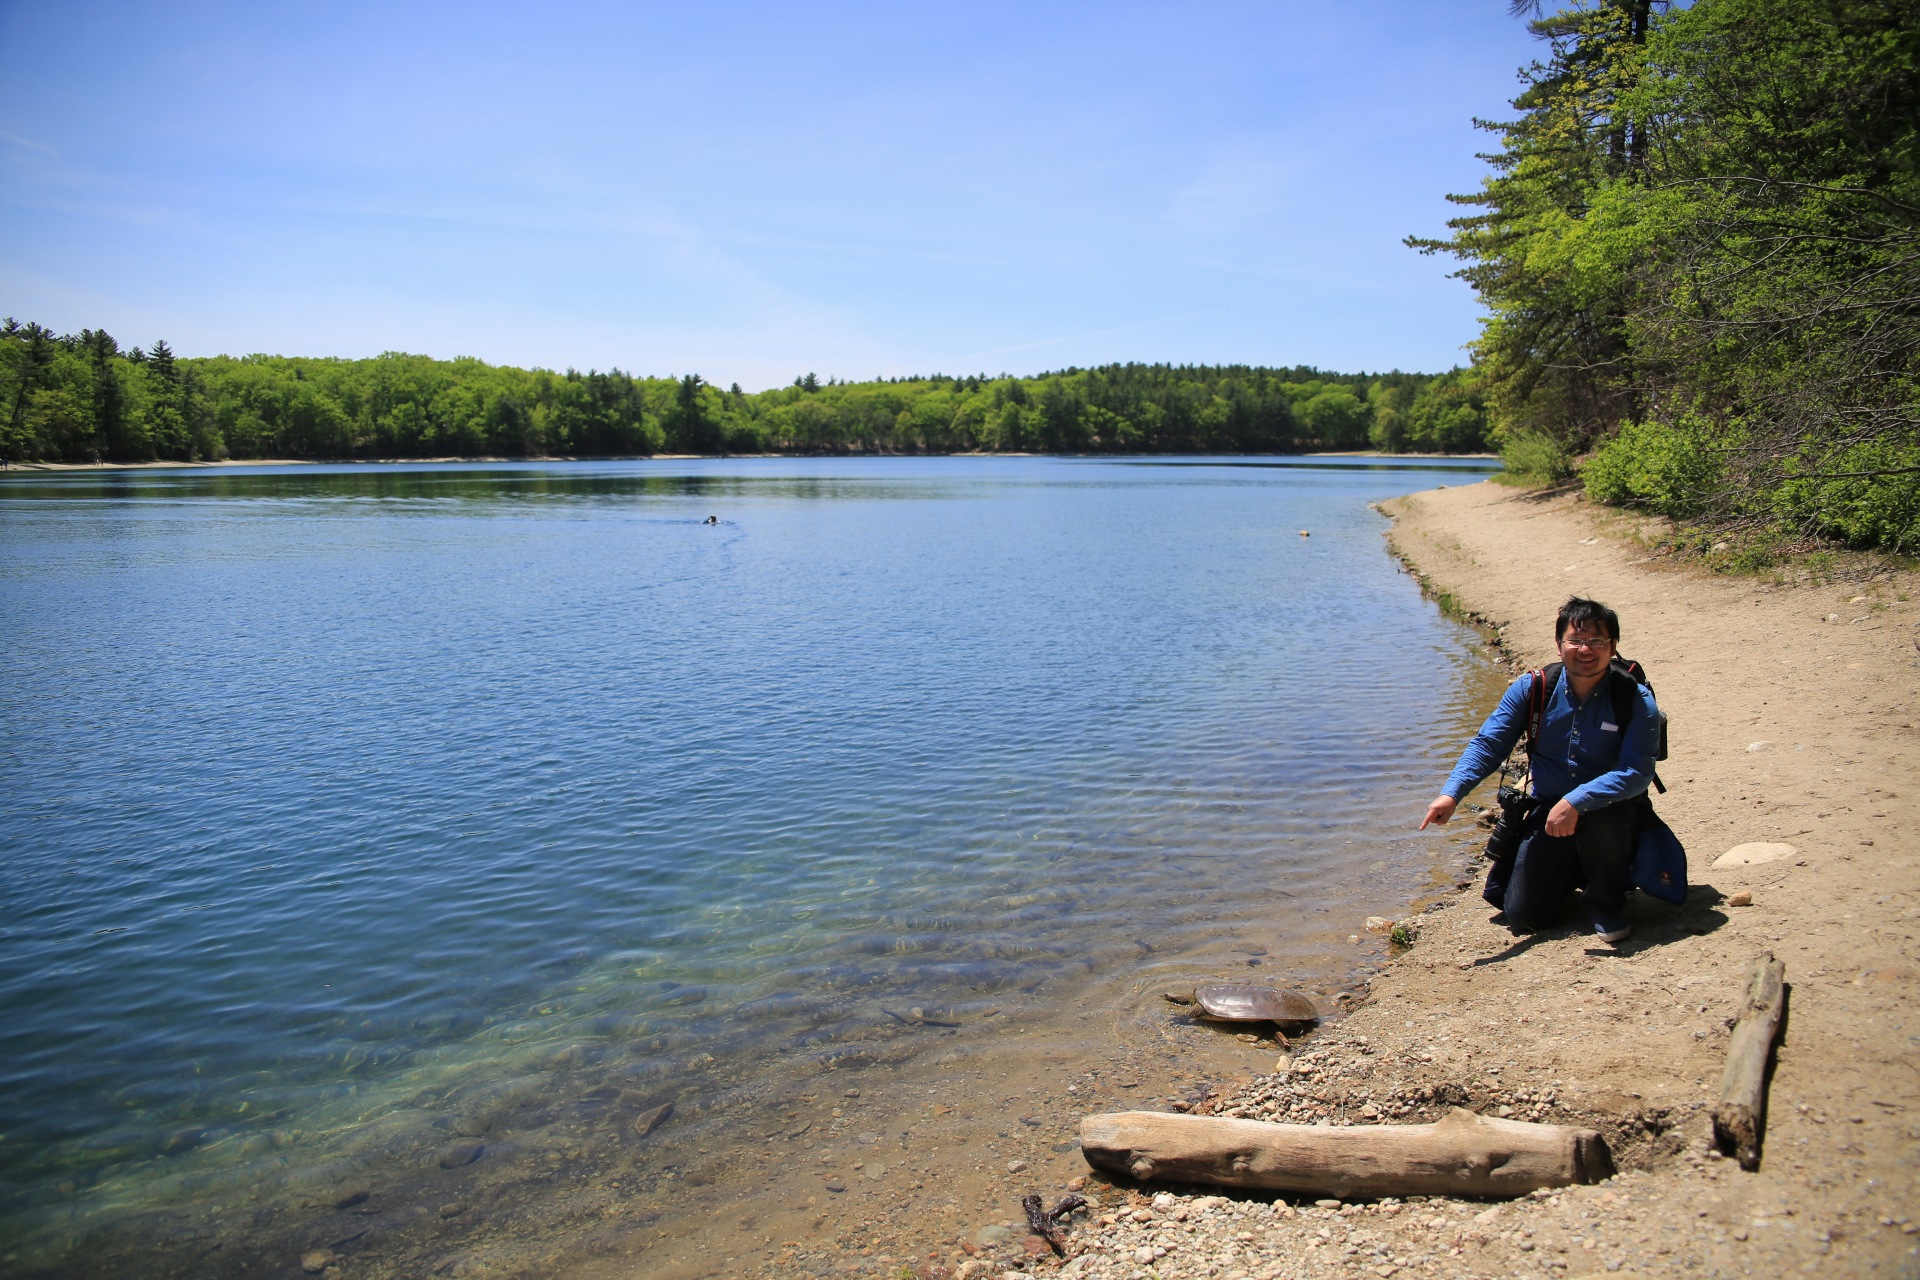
(339, 798)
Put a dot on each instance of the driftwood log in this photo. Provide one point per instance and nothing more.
(1742, 1114)
(1461, 1154)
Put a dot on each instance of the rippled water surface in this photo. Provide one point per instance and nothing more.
(320, 781)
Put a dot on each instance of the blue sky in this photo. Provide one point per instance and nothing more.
(751, 191)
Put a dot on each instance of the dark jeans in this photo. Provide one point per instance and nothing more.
(1596, 858)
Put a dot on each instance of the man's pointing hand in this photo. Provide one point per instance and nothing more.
(1439, 811)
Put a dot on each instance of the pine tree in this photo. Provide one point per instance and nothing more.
(167, 420)
(109, 401)
(1553, 357)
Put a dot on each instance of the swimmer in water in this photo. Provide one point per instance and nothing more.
(713, 520)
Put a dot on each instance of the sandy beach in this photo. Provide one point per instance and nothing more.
(1794, 704)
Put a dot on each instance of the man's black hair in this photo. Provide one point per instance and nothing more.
(1578, 610)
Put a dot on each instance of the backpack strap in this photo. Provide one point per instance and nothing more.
(1623, 681)
(1544, 681)
(1627, 678)
(1624, 678)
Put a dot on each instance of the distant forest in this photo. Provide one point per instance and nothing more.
(81, 397)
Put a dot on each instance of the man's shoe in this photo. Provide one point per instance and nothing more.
(1610, 927)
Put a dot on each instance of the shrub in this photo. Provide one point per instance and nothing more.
(1536, 457)
(1668, 467)
(1873, 500)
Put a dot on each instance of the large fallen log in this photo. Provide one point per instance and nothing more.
(1742, 1114)
(1461, 1154)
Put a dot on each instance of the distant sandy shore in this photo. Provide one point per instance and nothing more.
(144, 466)
(653, 457)
(285, 462)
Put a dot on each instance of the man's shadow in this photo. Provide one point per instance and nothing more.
(1655, 924)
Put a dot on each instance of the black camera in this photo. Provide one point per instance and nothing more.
(1503, 841)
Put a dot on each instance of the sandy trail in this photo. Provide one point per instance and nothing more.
(1794, 707)
(1794, 712)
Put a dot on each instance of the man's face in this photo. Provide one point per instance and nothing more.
(1585, 649)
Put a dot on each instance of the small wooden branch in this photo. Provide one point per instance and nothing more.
(1742, 1114)
(1461, 1154)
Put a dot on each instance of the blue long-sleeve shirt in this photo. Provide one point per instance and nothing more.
(1581, 756)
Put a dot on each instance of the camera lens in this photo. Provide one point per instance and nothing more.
(1504, 840)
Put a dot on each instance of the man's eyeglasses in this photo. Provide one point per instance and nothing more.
(1585, 642)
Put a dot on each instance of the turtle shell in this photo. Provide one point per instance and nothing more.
(1251, 1002)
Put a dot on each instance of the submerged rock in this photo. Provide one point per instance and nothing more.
(456, 1155)
(474, 1124)
(181, 1140)
(648, 1121)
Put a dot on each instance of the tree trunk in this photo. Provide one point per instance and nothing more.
(1462, 1154)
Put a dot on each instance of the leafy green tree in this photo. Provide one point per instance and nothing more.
(29, 356)
(1387, 405)
(62, 423)
(1448, 415)
(809, 425)
(1780, 235)
(1333, 417)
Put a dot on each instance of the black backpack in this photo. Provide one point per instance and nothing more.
(1622, 675)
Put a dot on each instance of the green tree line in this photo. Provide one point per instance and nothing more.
(1699, 248)
(82, 397)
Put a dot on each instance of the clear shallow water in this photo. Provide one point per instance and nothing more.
(325, 783)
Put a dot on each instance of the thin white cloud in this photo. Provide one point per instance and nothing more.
(29, 144)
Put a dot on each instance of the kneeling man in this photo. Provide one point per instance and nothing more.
(1590, 777)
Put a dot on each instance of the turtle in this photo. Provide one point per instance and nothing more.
(1251, 1002)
